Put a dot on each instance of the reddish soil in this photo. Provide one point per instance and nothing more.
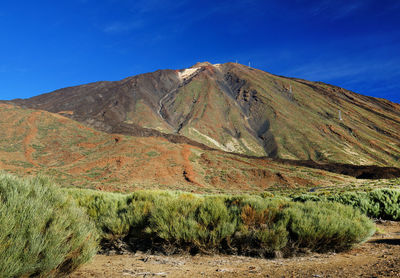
(66, 112)
(30, 122)
(87, 145)
(379, 257)
(188, 171)
(77, 155)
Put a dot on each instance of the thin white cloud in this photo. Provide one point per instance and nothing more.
(336, 9)
(149, 6)
(141, 14)
(180, 15)
(352, 70)
(119, 26)
(13, 69)
(370, 77)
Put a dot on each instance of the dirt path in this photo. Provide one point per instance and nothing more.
(379, 257)
(188, 171)
(32, 132)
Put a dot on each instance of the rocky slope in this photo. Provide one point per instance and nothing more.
(73, 154)
(238, 109)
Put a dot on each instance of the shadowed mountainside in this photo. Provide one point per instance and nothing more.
(238, 109)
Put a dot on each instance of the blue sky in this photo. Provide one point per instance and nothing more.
(48, 45)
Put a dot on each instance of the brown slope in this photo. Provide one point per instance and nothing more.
(76, 155)
(239, 109)
(103, 104)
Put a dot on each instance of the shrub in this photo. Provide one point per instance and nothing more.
(107, 210)
(327, 226)
(248, 225)
(42, 233)
(191, 222)
(388, 202)
(262, 228)
(307, 197)
(379, 203)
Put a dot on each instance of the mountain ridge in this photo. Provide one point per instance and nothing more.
(238, 109)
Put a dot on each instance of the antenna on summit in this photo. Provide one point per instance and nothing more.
(249, 65)
(236, 61)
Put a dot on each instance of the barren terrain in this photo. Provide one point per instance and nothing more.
(75, 155)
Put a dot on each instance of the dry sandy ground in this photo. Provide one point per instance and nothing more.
(379, 257)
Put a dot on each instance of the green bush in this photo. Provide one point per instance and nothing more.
(379, 203)
(249, 225)
(190, 221)
(107, 210)
(42, 233)
(307, 197)
(388, 202)
(327, 226)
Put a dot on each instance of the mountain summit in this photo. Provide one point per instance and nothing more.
(238, 109)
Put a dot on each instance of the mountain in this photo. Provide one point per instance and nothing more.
(34, 141)
(238, 109)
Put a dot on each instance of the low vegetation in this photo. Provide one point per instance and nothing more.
(46, 231)
(173, 222)
(43, 233)
(380, 203)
